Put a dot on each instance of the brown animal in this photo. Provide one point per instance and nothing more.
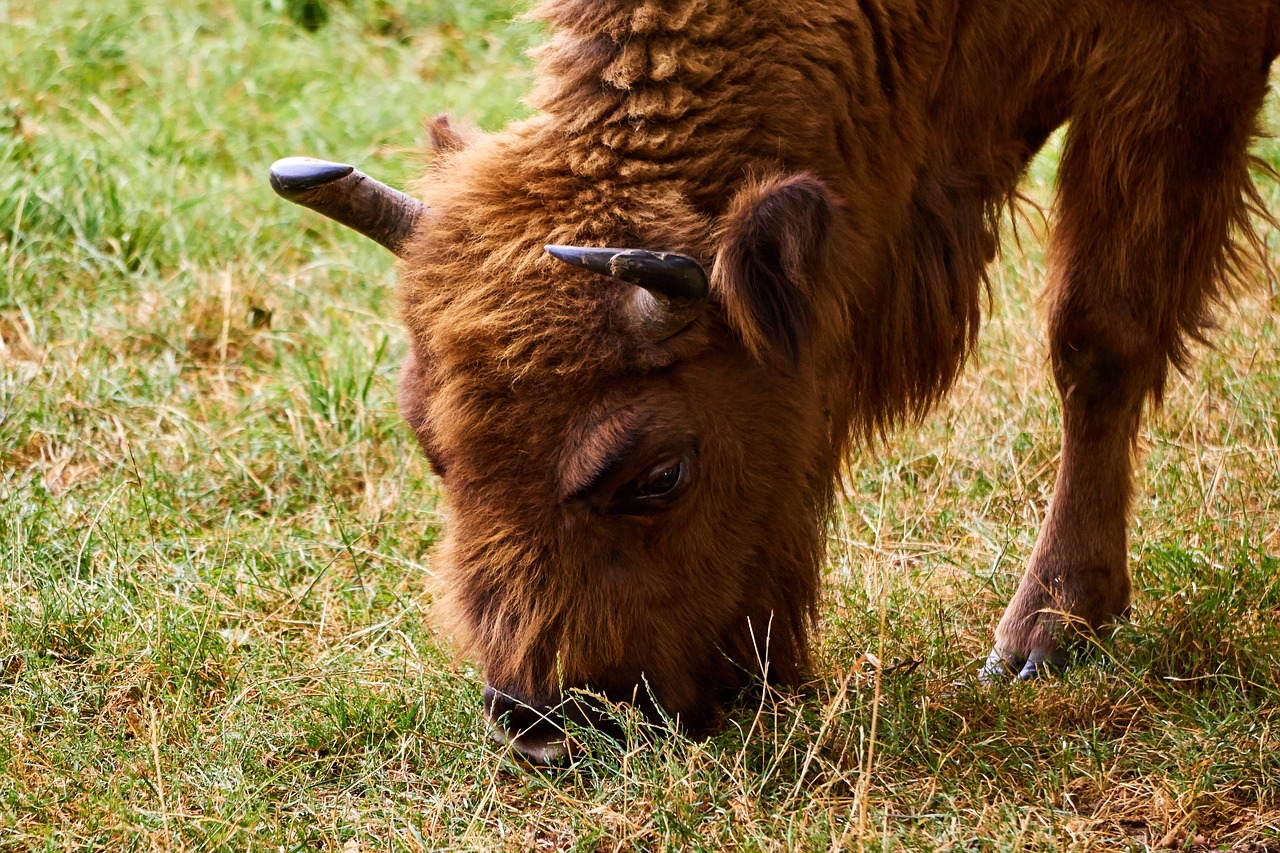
(639, 447)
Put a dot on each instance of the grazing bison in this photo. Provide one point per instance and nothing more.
(740, 237)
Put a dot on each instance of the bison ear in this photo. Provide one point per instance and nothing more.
(773, 240)
(445, 138)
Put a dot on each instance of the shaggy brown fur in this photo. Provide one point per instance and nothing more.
(840, 167)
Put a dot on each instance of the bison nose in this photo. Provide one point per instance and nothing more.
(532, 728)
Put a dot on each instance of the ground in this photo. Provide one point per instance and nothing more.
(215, 532)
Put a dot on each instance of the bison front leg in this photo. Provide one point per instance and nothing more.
(1153, 187)
(1078, 579)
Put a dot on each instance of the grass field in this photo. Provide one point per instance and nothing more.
(215, 532)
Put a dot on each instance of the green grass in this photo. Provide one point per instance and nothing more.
(215, 532)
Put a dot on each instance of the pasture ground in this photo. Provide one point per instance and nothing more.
(215, 531)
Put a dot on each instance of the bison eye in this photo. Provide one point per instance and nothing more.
(654, 490)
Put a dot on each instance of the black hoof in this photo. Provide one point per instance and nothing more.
(1003, 666)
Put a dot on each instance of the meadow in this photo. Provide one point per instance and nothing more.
(216, 533)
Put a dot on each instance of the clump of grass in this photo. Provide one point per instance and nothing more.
(215, 532)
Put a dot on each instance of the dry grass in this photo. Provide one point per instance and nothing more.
(215, 534)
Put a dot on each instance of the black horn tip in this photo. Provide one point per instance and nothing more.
(671, 275)
(295, 175)
(591, 258)
(577, 255)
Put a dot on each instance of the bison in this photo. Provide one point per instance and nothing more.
(739, 240)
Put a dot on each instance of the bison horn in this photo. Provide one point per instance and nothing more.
(349, 196)
(672, 288)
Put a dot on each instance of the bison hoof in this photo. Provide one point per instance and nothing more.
(1003, 666)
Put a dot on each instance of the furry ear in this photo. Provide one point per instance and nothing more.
(444, 138)
(773, 240)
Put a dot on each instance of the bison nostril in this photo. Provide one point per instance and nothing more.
(513, 712)
(533, 728)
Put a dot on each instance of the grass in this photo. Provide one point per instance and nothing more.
(215, 531)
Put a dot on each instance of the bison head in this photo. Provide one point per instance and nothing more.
(618, 388)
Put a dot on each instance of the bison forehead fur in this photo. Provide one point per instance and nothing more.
(629, 508)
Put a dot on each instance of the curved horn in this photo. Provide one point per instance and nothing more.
(672, 290)
(349, 196)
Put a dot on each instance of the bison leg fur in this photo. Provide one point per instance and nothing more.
(1152, 223)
